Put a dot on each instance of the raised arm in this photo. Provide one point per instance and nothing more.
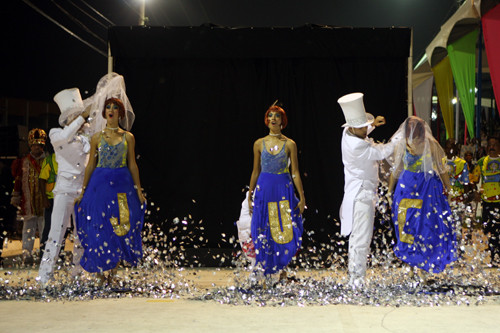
(58, 136)
(257, 146)
(297, 181)
(132, 166)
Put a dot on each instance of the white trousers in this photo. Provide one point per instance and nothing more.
(361, 234)
(30, 226)
(61, 218)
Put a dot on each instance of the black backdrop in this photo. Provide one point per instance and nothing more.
(200, 94)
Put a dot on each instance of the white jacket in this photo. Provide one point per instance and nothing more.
(360, 158)
(72, 155)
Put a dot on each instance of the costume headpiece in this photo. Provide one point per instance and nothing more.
(37, 136)
(110, 85)
(354, 111)
(70, 103)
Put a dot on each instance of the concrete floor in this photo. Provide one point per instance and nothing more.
(185, 314)
(181, 315)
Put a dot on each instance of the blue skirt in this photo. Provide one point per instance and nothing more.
(109, 220)
(424, 227)
(276, 224)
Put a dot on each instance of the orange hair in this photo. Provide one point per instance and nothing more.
(275, 108)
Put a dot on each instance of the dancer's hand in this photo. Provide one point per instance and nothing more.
(141, 196)
(79, 199)
(301, 206)
(379, 121)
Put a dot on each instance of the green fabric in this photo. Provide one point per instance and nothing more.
(462, 54)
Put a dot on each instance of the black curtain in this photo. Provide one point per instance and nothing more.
(200, 95)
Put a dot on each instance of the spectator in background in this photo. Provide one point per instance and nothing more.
(473, 174)
(458, 171)
(27, 194)
(489, 168)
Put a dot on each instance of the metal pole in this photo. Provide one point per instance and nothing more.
(142, 13)
(110, 59)
(410, 77)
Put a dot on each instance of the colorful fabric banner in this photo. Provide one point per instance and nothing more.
(462, 54)
(444, 87)
(491, 33)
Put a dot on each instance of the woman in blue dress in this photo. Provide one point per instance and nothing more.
(276, 225)
(110, 211)
(424, 227)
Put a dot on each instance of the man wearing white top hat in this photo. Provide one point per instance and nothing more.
(71, 146)
(360, 156)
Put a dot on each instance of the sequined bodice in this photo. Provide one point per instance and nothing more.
(112, 156)
(276, 164)
(412, 163)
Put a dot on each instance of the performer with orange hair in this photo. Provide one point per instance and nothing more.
(276, 211)
(110, 211)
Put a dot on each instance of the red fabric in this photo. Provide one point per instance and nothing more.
(17, 172)
(491, 33)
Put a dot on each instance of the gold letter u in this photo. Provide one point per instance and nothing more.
(279, 235)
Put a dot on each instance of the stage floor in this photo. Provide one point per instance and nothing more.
(203, 300)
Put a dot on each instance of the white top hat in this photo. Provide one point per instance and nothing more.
(354, 111)
(70, 103)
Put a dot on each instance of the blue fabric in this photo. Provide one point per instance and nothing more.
(274, 188)
(276, 164)
(103, 249)
(434, 244)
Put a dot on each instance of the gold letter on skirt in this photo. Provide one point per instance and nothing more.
(404, 205)
(121, 227)
(285, 235)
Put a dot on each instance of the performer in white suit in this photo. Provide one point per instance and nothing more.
(359, 155)
(244, 225)
(71, 146)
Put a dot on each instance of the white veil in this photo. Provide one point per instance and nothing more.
(110, 85)
(416, 136)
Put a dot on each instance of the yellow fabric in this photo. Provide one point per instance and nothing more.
(474, 174)
(457, 189)
(444, 86)
(490, 174)
(45, 173)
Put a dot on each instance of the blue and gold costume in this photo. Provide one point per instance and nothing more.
(422, 217)
(276, 224)
(110, 216)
